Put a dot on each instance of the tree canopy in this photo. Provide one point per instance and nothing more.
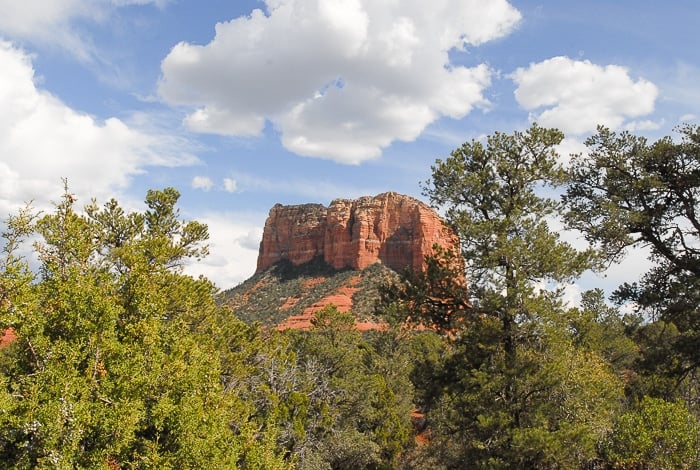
(118, 360)
(507, 395)
(628, 192)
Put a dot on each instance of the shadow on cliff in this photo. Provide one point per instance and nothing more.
(285, 270)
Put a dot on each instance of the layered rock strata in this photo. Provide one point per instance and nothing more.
(396, 230)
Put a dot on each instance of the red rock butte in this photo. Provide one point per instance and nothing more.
(396, 230)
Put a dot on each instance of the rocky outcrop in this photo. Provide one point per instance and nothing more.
(294, 233)
(7, 337)
(396, 230)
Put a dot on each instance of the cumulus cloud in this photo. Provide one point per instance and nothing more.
(251, 240)
(570, 292)
(579, 95)
(339, 79)
(42, 140)
(569, 147)
(202, 182)
(234, 240)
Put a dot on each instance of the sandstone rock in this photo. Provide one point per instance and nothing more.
(295, 233)
(7, 337)
(396, 230)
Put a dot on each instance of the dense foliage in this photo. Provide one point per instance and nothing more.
(119, 357)
(627, 192)
(515, 386)
(120, 360)
(523, 381)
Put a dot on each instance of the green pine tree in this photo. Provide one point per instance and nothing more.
(516, 391)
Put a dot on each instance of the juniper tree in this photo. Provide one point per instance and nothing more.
(120, 357)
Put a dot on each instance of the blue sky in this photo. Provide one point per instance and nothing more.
(243, 104)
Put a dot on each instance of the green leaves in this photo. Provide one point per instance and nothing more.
(492, 196)
(516, 391)
(121, 360)
(629, 192)
(362, 393)
(119, 357)
(655, 434)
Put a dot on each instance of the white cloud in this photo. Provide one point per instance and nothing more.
(251, 240)
(579, 95)
(632, 267)
(123, 3)
(312, 190)
(52, 22)
(42, 140)
(645, 125)
(687, 118)
(569, 147)
(230, 185)
(339, 79)
(570, 293)
(202, 182)
(234, 240)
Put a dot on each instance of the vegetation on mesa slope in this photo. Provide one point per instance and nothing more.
(286, 290)
(122, 361)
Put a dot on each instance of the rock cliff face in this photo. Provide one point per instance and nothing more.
(390, 228)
